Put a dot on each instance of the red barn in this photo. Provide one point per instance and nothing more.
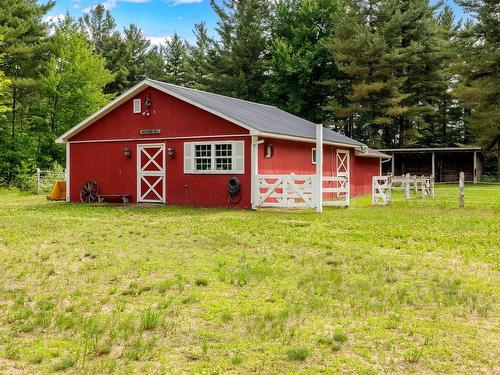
(161, 143)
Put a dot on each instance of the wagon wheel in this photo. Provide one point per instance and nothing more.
(89, 191)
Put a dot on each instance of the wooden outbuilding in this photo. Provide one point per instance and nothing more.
(444, 163)
(162, 143)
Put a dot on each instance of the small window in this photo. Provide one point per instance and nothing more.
(203, 157)
(223, 157)
(313, 156)
(137, 105)
(214, 157)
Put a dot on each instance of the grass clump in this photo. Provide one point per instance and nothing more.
(201, 282)
(297, 354)
(63, 364)
(149, 319)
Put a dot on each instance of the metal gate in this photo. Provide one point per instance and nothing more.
(151, 173)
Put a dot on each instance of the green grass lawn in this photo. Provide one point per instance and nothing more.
(410, 288)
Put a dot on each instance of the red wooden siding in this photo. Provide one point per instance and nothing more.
(97, 153)
(106, 163)
(174, 117)
(295, 157)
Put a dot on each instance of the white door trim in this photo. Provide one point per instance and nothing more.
(160, 172)
(343, 168)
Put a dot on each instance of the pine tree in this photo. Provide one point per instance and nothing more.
(4, 87)
(73, 85)
(393, 53)
(373, 91)
(175, 55)
(299, 58)
(237, 63)
(24, 51)
(99, 26)
(198, 58)
(479, 73)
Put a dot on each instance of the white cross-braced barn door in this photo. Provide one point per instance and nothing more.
(342, 163)
(151, 173)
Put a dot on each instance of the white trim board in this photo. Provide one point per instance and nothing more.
(161, 138)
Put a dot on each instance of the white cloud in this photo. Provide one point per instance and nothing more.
(157, 40)
(182, 2)
(136, 1)
(53, 19)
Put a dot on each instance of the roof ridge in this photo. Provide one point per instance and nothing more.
(212, 93)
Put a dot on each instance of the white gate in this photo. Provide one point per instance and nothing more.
(336, 192)
(381, 190)
(151, 173)
(285, 191)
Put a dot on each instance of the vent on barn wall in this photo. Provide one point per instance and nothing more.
(137, 105)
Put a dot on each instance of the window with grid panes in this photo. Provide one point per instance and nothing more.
(203, 157)
(223, 156)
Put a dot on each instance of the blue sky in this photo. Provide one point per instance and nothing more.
(157, 18)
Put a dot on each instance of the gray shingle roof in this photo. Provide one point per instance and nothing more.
(264, 118)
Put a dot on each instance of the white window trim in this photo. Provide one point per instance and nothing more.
(313, 150)
(137, 106)
(213, 157)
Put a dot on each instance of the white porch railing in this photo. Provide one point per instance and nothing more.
(297, 191)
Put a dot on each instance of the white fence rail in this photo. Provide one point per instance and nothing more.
(297, 191)
(285, 191)
(45, 179)
(336, 191)
(381, 190)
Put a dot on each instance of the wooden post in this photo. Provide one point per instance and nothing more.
(319, 168)
(38, 180)
(389, 191)
(392, 164)
(424, 187)
(254, 171)
(474, 171)
(406, 186)
(461, 186)
(433, 168)
(432, 186)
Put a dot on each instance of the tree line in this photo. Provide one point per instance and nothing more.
(392, 73)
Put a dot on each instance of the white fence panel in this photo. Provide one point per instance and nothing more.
(381, 190)
(45, 179)
(285, 191)
(336, 191)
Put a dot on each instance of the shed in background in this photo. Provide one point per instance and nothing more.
(444, 163)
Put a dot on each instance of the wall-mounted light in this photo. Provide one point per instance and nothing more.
(268, 151)
(171, 152)
(127, 153)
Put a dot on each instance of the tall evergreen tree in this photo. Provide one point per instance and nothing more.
(24, 50)
(237, 62)
(373, 90)
(175, 54)
(73, 85)
(404, 65)
(299, 58)
(198, 58)
(479, 73)
(4, 87)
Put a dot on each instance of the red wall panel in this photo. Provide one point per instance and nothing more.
(295, 157)
(172, 116)
(105, 163)
(364, 169)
